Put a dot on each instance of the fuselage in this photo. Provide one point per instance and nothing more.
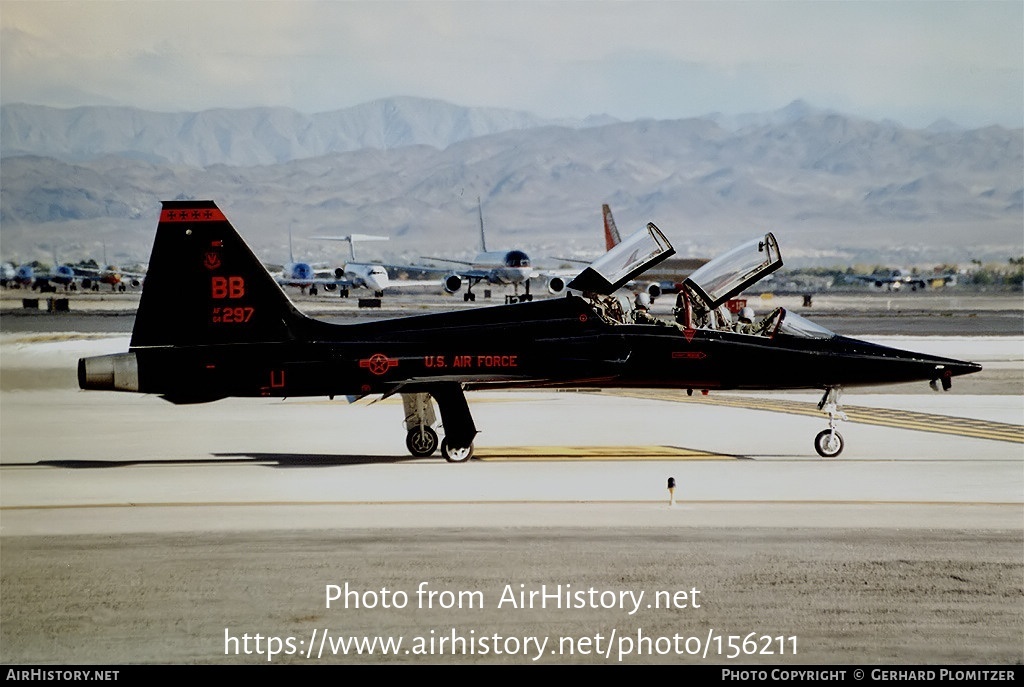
(504, 267)
(26, 275)
(553, 343)
(372, 276)
(298, 273)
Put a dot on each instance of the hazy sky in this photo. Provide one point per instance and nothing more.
(914, 62)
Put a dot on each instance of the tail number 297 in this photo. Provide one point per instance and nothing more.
(231, 315)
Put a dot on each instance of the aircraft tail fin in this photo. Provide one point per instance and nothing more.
(480, 211)
(611, 232)
(205, 286)
(351, 239)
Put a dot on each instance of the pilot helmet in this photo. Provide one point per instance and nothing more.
(747, 314)
(643, 300)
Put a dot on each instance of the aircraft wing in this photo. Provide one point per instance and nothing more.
(451, 260)
(315, 281)
(100, 271)
(880, 279)
(476, 274)
(428, 269)
(415, 283)
(461, 269)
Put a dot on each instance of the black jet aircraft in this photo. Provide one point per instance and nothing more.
(213, 323)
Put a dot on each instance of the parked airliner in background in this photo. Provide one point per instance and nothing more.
(69, 277)
(511, 268)
(669, 275)
(366, 275)
(27, 276)
(305, 276)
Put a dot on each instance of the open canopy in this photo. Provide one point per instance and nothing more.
(731, 273)
(632, 256)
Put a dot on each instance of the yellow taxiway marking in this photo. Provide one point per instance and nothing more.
(592, 453)
(885, 417)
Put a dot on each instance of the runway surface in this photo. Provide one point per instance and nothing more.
(723, 449)
(64, 450)
(132, 530)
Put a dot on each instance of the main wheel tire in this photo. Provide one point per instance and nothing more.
(421, 442)
(828, 443)
(456, 455)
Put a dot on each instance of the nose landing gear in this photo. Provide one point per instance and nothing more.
(829, 443)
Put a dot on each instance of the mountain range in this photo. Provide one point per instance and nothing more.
(834, 188)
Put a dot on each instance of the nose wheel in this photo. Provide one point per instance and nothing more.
(828, 442)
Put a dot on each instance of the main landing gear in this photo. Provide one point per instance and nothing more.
(516, 298)
(829, 443)
(456, 454)
(420, 438)
(469, 296)
(420, 418)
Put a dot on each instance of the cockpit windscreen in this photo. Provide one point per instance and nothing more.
(795, 325)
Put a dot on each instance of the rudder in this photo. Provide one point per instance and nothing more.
(611, 232)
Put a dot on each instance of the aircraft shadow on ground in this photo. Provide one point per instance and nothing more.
(273, 460)
(276, 460)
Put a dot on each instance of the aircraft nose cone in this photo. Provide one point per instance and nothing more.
(957, 368)
(869, 363)
(948, 369)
